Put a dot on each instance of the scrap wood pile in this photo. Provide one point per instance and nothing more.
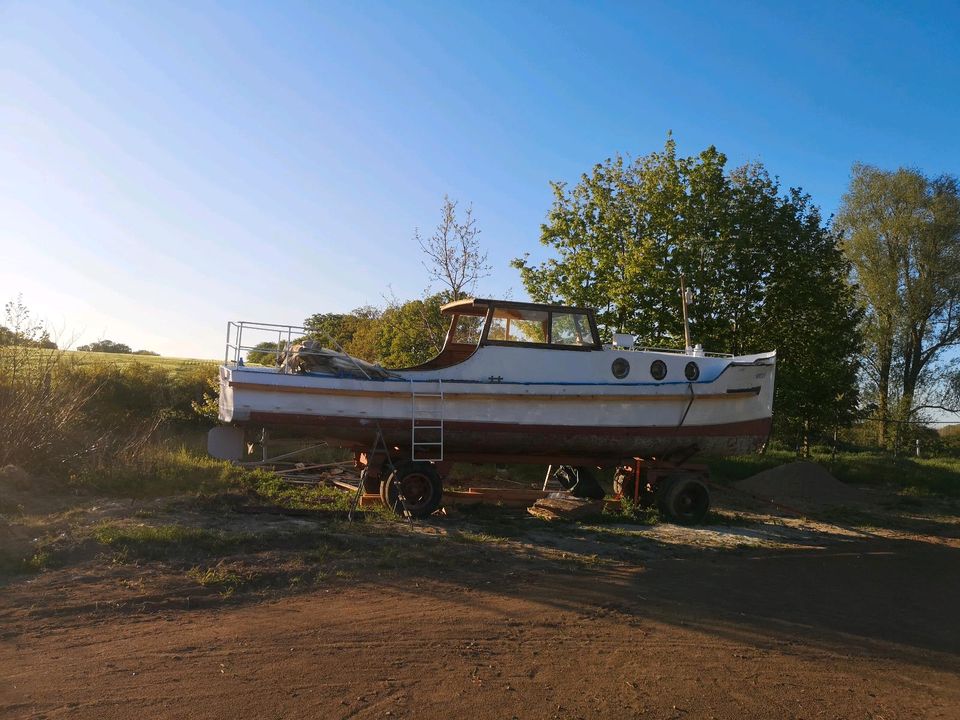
(563, 506)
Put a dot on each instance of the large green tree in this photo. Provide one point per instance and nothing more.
(412, 332)
(901, 231)
(401, 335)
(354, 332)
(766, 271)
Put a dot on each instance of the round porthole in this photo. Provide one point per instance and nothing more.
(620, 368)
(692, 371)
(658, 369)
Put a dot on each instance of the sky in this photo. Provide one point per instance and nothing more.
(168, 166)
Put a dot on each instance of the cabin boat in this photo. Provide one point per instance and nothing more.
(515, 381)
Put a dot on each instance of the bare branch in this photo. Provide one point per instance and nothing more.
(454, 257)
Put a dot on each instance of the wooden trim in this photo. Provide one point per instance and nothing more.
(486, 303)
(406, 394)
(541, 346)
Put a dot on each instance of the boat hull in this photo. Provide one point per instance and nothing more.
(726, 411)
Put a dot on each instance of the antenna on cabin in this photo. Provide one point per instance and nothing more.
(686, 294)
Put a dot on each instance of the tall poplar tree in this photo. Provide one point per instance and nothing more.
(901, 231)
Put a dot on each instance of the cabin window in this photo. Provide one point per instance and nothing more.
(520, 326)
(467, 329)
(658, 369)
(620, 368)
(570, 329)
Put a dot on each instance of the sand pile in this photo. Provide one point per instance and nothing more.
(799, 482)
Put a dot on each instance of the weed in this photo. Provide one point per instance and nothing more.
(468, 537)
(270, 486)
(160, 542)
(40, 560)
(629, 512)
(225, 580)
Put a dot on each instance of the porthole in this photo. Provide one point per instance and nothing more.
(692, 371)
(658, 369)
(620, 368)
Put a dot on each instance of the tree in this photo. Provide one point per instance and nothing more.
(766, 271)
(24, 331)
(106, 346)
(454, 257)
(412, 332)
(901, 232)
(264, 353)
(354, 332)
(401, 335)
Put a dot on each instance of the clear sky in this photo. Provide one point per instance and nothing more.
(167, 166)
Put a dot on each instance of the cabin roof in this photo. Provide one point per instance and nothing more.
(479, 307)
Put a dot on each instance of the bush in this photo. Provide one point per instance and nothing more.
(61, 415)
(41, 402)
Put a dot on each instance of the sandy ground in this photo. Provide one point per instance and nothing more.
(783, 618)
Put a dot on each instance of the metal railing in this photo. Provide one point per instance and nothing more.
(263, 332)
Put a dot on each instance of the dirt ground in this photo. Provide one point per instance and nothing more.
(496, 615)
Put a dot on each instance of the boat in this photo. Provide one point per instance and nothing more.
(514, 382)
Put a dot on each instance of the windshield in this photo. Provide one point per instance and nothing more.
(540, 327)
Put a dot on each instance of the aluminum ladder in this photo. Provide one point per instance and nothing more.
(426, 424)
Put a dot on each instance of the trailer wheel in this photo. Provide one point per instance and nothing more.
(684, 500)
(420, 485)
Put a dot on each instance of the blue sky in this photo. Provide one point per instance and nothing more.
(165, 167)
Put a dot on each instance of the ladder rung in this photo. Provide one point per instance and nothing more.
(428, 427)
(425, 444)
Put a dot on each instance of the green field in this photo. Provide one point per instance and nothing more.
(90, 358)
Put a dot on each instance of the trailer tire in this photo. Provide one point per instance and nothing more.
(421, 486)
(684, 499)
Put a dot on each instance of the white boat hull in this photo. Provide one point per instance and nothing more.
(524, 403)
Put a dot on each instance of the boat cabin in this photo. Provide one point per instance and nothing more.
(477, 322)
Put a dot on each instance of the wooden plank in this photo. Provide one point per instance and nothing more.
(343, 485)
(566, 508)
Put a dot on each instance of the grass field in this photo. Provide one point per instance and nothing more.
(97, 358)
